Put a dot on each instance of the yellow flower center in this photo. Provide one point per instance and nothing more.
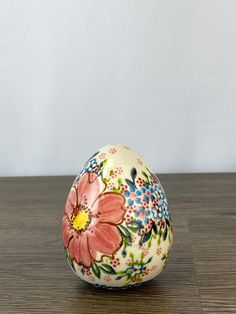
(80, 220)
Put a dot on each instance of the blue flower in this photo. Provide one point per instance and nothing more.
(151, 189)
(138, 200)
(146, 198)
(143, 189)
(90, 166)
(144, 213)
(157, 214)
(130, 202)
(127, 193)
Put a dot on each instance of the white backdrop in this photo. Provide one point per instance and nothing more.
(159, 76)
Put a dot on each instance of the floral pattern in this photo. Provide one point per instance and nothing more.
(90, 221)
(116, 226)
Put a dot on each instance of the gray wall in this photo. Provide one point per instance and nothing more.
(159, 76)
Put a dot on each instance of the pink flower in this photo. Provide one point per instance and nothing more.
(112, 150)
(115, 262)
(90, 221)
(110, 186)
(142, 214)
(133, 196)
(144, 249)
(140, 182)
(107, 278)
(139, 161)
(126, 147)
(154, 267)
(119, 170)
(129, 262)
(102, 156)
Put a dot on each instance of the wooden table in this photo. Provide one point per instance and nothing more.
(200, 276)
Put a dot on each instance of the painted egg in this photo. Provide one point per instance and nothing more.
(116, 226)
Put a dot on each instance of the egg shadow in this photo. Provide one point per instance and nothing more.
(90, 299)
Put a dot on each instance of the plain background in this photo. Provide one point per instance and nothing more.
(159, 76)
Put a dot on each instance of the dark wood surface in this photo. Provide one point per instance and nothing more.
(200, 276)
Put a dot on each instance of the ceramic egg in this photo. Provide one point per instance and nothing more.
(116, 226)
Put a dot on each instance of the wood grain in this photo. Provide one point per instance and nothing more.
(200, 276)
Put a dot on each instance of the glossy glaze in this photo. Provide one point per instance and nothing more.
(116, 226)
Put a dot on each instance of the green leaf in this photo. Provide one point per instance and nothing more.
(149, 244)
(70, 262)
(167, 222)
(150, 172)
(108, 269)
(93, 156)
(133, 173)
(164, 257)
(125, 234)
(142, 256)
(135, 226)
(131, 255)
(65, 251)
(149, 260)
(119, 181)
(122, 273)
(124, 231)
(130, 183)
(137, 262)
(165, 234)
(146, 237)
(123, 253)
(154, 227)
(132, 229)
(96, 270)
(144, 174)
(106, 180)
(128, 241)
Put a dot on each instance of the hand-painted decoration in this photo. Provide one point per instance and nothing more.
(116, 226)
